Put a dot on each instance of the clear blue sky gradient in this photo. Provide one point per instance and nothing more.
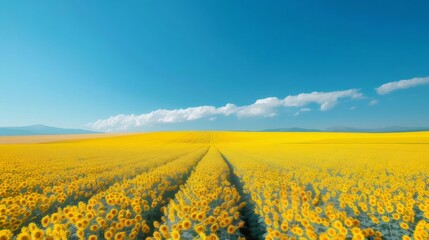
(68, 63)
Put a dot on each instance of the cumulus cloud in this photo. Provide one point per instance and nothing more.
(402, 84)
(262, 107)
(373, 102)
(302, 110)
(123, 122)
(326, 100)
(266, 107)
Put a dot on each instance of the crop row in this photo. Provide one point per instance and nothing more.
(206, 207)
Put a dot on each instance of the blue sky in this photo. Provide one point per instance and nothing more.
(73, 63)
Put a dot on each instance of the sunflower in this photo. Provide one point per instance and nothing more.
(109, 216)
(214, 227)
(119, 226)
(348, 222)
(213, 237)
(356, 231)
(186, 224)
(175, 235)
(92, 237)
(163, 229)
(89, 215)
(404, 225)
(324, 236)
(385, 219)
(231, 229)
(93, 228)
(331, 232)
(128, 223)
(114, 211)
(120, 235)
(157, 235)
(45, 221)
(284, 226)
(37, 234)
(23, 236)
(343, 231)
(199, 229)
(201, 216)
(108, 234)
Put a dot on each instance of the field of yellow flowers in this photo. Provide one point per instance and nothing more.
(218, 185)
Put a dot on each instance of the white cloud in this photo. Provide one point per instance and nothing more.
(262, 107)
(266, 107)
(326, 100)
(402, 84)
(373, 102)
(123, 122)
(302, 110)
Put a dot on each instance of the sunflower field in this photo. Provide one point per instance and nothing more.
(218, 185)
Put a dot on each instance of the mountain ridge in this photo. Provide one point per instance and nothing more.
(350, 129)
(40, 129)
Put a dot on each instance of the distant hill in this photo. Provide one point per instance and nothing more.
(350, 129)
(40, 129)
(294, 129)
(381, 130)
